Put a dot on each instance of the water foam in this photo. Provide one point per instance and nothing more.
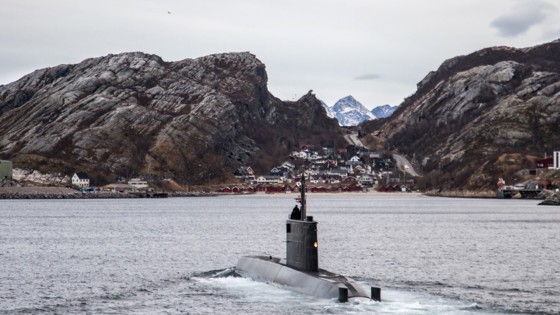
(262, 295)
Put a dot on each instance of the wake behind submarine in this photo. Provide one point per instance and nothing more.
(300, 270)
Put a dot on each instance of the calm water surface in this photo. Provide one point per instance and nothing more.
(429, 255)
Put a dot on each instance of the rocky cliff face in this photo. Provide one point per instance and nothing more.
(129, 114)
(479, 116)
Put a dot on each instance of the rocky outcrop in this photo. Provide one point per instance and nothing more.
(194, 120)
(551, 200)
(480, 116)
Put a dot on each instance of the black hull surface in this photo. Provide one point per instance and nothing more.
(322, 284)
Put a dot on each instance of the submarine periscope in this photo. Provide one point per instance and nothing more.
(300, 270)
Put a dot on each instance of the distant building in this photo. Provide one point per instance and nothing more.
(138, 183)
(80, 179)
(279, 171)
(328, 150)
(545, 163)
(289, 165)
(366, 180)
(245, 172)
(270, 180)
(6, 169)
(122, 188)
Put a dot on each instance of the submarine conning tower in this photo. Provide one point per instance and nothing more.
(301, 271)
(302, 245)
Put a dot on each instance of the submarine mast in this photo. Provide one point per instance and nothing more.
(303, 201)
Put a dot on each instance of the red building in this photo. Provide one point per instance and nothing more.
(545, 163)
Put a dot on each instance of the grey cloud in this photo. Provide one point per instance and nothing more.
(522, 17)
(370, 76)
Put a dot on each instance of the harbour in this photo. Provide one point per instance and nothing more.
(429, 255)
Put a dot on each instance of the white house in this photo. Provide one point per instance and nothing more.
(80, 179)
(138, 183)
(339, 172)
(288, 165)
(365, 180)
(299, 154)
(270, 180)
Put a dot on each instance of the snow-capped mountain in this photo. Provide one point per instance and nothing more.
(329, 110)
(350, 112)
(383, 111)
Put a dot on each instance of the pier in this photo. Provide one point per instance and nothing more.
(149, 194)
(508, 192)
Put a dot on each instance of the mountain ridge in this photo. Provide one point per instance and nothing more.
(478, 117)
(383, 111)
(133, 113)
(350, 112)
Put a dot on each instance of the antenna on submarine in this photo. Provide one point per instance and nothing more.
(303, 201)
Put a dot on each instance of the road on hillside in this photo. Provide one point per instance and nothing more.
(354, 140)
(404, 164)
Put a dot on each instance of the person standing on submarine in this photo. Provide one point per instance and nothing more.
(296, 214)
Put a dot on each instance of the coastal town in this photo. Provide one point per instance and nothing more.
(327, 169)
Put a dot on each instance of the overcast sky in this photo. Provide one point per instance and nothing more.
(375, 50)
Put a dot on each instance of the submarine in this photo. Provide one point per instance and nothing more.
(300, 270)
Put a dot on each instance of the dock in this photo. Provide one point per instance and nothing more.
(508, 192)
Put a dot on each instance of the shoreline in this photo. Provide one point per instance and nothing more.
(19, 196)
(463, 194)
(15, 193)
(80, 195)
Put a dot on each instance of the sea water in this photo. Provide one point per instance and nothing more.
(170, 256)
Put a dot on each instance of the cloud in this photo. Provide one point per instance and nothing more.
(369, 76)
(522, 17)
(552, 34)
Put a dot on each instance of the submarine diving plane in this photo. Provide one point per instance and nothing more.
(300, 270)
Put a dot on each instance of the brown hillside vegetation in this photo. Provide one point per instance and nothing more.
(479, 117)
(133, 114)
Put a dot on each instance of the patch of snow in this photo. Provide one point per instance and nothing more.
(329, 111)
(384, 111)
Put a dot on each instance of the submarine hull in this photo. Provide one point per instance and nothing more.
(300, 271)
(321, 283)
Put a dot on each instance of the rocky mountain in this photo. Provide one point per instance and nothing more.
(478, 117)
(328, 110)
(383, 111)
(349, 112)
(128, 114)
